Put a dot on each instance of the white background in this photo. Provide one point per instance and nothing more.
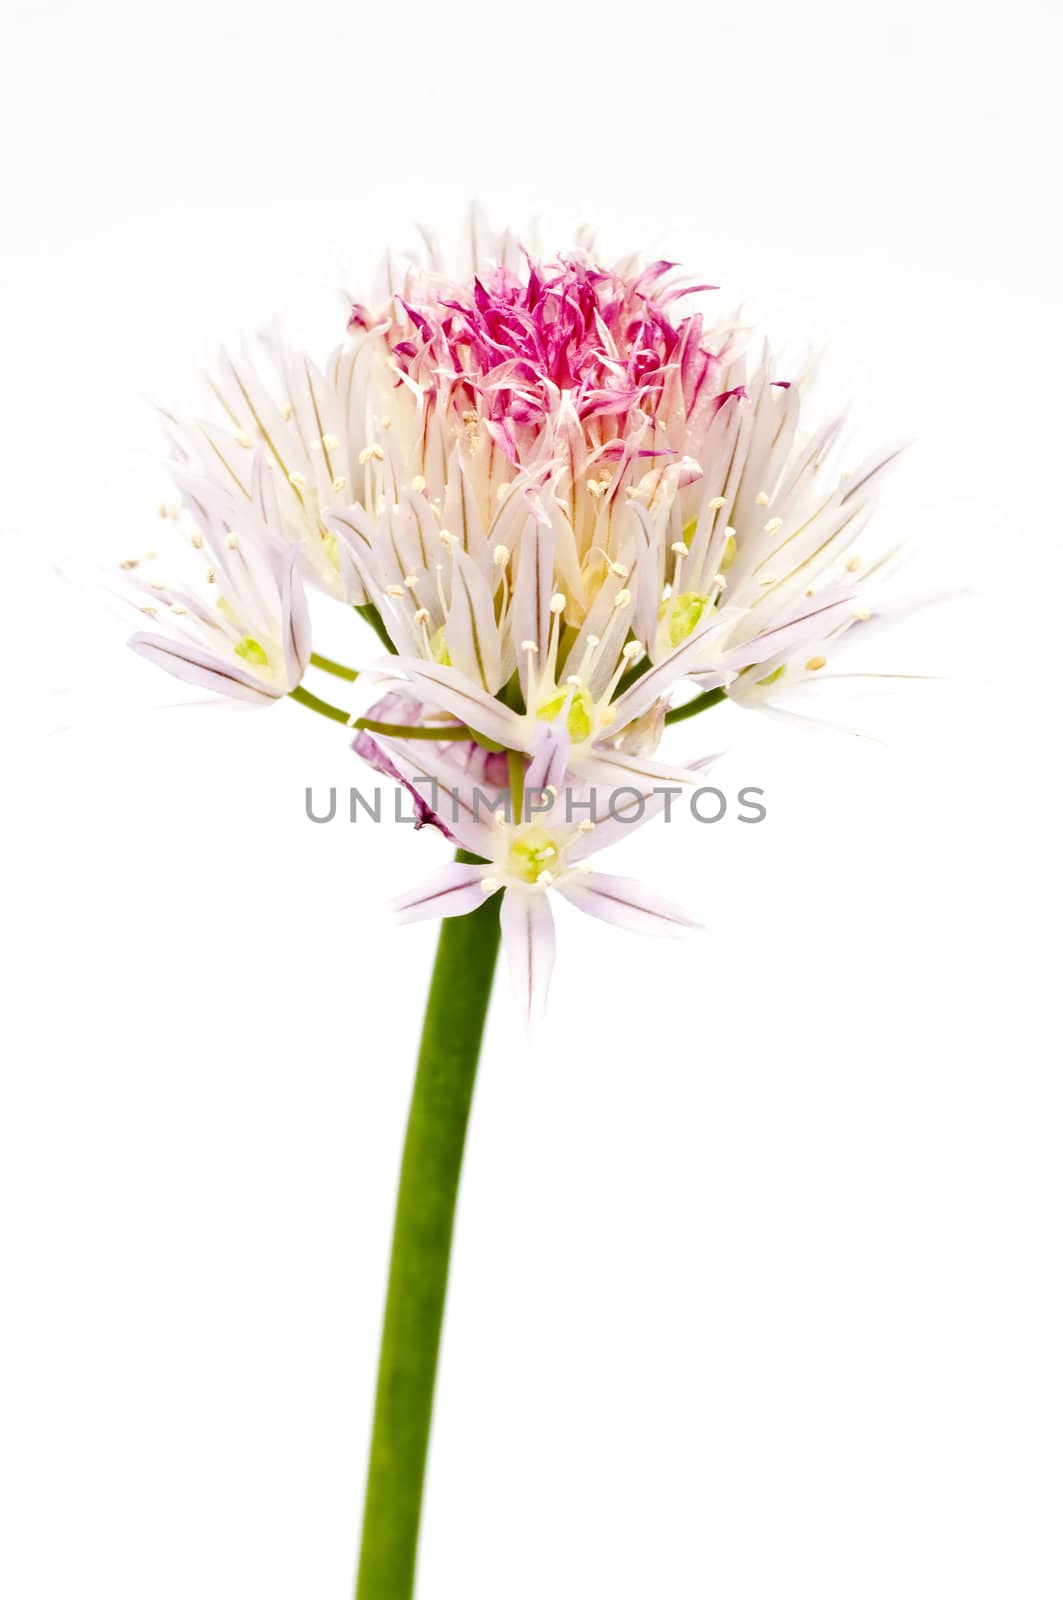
(756, 1292)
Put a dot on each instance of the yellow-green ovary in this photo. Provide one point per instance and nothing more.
(250, 650)
(532, 852)
(579, 722)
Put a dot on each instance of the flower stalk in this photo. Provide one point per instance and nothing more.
(692, 708)
(420, 1252)
(335, 668)
(450, 733)
(314, 702)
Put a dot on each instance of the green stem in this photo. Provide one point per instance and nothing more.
(322, 707)
(700, 702)
(420, 1250)
(413, 730)
(337, 669)
(397, 730)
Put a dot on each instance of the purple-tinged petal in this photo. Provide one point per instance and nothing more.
(546, 770)
(456, 800)
(377, 757)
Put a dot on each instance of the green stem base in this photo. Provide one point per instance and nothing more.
(420, 1252)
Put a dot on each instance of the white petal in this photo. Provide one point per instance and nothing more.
(546, 770)
(452, 892)
(646, 582)
(606, 768)
(196, 666)
(622, 807)
(356, 532)
(531, 594)
(295, 620)
(645, 690)
(628, 904)
(787, 635)
(472, 632)
(528, 935)
(449, 690)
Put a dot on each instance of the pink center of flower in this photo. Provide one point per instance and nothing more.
(510, 347)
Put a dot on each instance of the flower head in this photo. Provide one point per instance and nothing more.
(563, 493)
(569, 474)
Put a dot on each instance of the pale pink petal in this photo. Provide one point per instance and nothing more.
(356, 534)
(634, 701)
(354, 527)
(456, 798)
(611, 826)
(397, 708)
(621, 808)
(528, 936)
(449, 690)
(531, 594)
(645, 573)
(628, 904)
(883, 614)
(451, 892)
(546, 770)
(606, 767)
(264, 496)
(472, 632)
(295, 621)
(196, 666)
(788, 635)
